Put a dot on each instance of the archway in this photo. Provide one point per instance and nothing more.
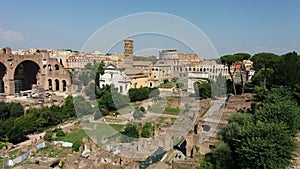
(56, 67)
(2, 73)
(49, 84)
(25, 75)
(56, 84)
(64, 85)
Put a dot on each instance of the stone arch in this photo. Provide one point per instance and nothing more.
(56, 67)
(56, 84)
(50, 84)
(2, 74)
(25, 75)
(50, 67)
(64, 85)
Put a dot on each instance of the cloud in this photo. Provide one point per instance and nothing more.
(9, 35)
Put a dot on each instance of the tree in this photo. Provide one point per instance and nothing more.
(221, 157)
(105, 100)
(138, 94)
(90, 90)
(266, 60)
(16, 109)
(205, 165)
(264, 145)
(202, 90)
(130, 133)
(287, 71)
(286, 112)
(147, 130)
(99, 72)
(232, 60)
(84, 78)
(68, 107)
(4, 109)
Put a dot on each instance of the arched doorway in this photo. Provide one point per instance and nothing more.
(25, 75)
(64, 85)
(49, 84)
(2, 73)
(56, 84)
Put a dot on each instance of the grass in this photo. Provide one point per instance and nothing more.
(102, 130)
(172, 111)
(117, 127)
(57, 152)
(73, 137)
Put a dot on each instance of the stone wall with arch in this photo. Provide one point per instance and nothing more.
(49, 68)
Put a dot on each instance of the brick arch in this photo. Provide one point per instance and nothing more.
(56, 85)
(64, 85)
(42, 59)
(50, 84)
(2, 74)
(26, 73)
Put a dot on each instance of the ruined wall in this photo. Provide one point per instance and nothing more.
(49, 69)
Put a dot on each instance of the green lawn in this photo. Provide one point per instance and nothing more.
(77, 135)
(172, 111)
(101, 130)
(117, 127)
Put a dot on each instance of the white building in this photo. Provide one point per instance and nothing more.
(115, 77)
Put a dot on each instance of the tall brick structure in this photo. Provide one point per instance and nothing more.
(20, 72)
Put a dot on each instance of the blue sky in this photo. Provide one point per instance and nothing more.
(231, 25)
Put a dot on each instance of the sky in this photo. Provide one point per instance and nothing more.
(231, 26)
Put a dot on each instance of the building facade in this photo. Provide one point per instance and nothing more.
(115, 77)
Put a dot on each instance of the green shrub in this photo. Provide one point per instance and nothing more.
(48, 136)
(76, 145)
(60, 133)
